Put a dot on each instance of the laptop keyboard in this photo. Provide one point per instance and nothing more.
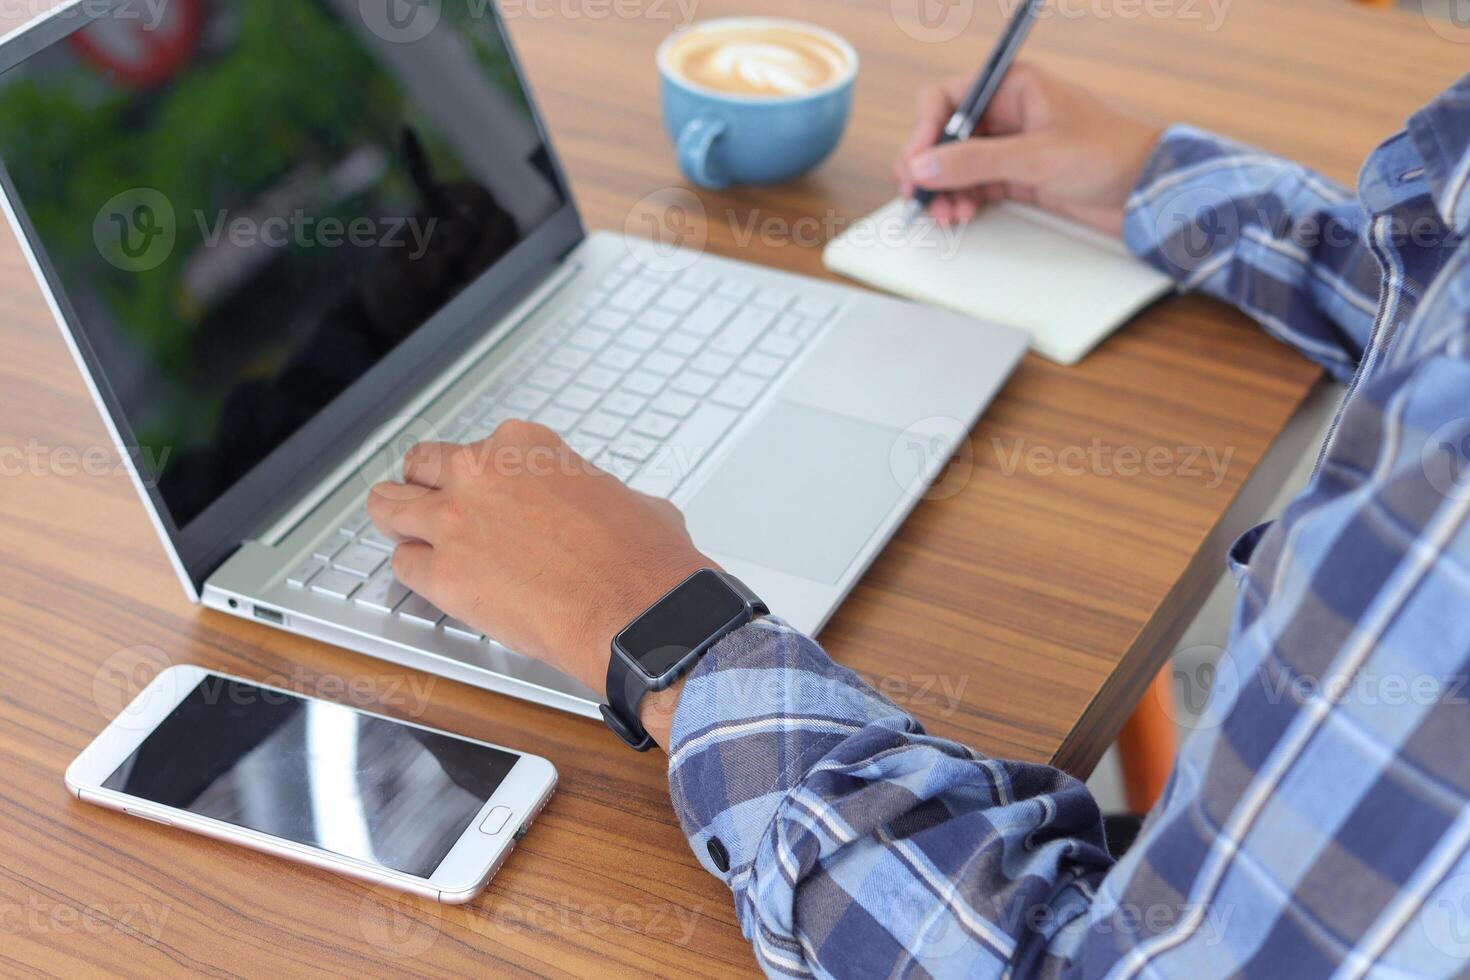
(644, 378)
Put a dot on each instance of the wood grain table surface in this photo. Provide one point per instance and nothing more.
(1022, 609)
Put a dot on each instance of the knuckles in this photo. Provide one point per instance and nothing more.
(519, 432)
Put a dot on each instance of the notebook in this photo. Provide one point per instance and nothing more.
(1069, 286)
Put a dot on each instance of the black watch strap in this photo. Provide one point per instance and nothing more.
(626, 685)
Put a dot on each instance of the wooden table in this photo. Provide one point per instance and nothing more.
(1023, 611)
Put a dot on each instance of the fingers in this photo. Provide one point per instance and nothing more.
(413, 565)
(404, 512)
(427, 464)
(935, 105)
(960, 207)
(998, 159)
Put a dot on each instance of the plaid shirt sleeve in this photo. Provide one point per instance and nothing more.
(1317, 823)
(1269, 236)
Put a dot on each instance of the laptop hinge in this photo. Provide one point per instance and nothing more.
(287, 522)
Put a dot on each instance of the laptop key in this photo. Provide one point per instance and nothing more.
(460, 628)
(377, 539)
(608, 320)
(774, 299)
(711, 363)
(549, 378)
(590, 338)
(679, 300)
(709, 317)
(659, 320)
(558, 419)
(675, 404)
(578, 398)
(337, 585)
(328, 548)
(383, 593)
(624, 403)
(359, 560)
(682, 344)
(570, 358)
(790, 325)
(778, 345)
(304, 574)
(635, 295)
(655, 425)
(742, 332)
(638, 338)
(739, 390)
(417, 609)
(762, 365)
(694, 383)
(526, 400)
(618, 358)
(697, 278)
(817, 309)
(603, 424)
(600, 378)
(644, 383)
(702, 431)
(587, 445)
(662, 362)
(622, 467)
(736, 289)
(356, 522)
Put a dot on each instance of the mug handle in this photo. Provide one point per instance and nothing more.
(696, 152)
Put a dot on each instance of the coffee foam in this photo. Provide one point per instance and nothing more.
(774, 61)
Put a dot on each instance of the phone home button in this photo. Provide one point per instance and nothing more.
(495, 820)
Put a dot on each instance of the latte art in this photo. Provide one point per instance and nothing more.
(761, 61)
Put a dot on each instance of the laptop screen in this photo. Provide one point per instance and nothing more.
(250, 203)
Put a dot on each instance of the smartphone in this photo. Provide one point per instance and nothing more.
(356, 793)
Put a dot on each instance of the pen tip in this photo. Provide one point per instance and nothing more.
(911, 211)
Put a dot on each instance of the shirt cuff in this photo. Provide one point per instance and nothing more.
(757, 712)
(1180, 217)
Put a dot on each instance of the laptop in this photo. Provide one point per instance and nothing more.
(285, 243)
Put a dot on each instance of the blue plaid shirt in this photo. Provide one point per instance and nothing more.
(1317, 822)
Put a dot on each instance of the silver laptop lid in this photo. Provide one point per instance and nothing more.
(264, 223)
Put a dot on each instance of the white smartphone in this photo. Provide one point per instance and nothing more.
(325, 784)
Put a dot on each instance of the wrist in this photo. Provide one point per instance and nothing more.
(642, 584)
(657, 712)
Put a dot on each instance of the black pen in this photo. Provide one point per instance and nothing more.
(961, 125)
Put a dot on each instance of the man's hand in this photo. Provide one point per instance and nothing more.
(522, 538)
(1042, 141)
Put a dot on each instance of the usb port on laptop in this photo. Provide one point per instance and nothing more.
(273, 616)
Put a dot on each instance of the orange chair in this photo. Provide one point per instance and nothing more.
(1147, 744)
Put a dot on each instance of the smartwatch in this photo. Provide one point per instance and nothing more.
(667, 639)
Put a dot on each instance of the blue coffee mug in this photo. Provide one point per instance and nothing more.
(723, 139)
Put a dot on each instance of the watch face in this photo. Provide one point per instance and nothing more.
(665, 636)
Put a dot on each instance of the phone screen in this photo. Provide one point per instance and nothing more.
(315, 773)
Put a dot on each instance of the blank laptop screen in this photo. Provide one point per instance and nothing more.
(250, 203)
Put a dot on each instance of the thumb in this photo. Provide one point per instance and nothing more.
(984, 160)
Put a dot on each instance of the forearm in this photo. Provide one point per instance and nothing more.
(843, 830)
(1275, 239)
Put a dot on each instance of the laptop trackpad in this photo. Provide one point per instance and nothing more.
(802, 493)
